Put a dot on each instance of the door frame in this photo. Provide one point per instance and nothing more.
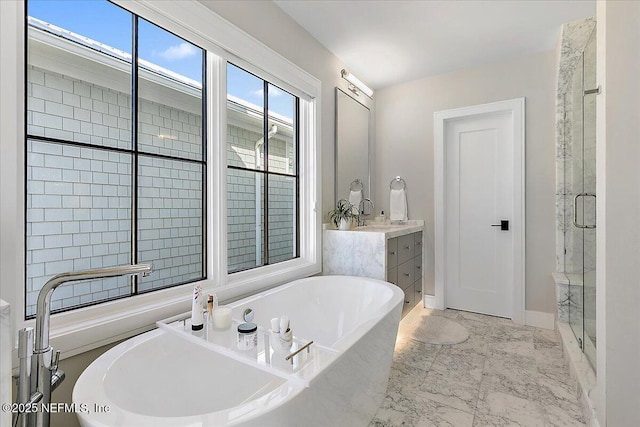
(516, 107)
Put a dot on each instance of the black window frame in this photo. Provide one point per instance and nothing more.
(134, 152)
(265, 173)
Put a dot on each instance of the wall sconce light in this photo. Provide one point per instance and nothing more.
(355, 85)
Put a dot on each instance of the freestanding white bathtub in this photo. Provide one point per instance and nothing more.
(163, 379)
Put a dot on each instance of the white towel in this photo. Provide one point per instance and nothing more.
(355, 197)
(398, 205)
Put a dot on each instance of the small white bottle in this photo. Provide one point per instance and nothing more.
(197, 318)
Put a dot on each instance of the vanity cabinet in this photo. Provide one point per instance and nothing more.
(404, 267)
(390, 253)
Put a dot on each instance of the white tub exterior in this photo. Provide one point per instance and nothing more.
(158, 379)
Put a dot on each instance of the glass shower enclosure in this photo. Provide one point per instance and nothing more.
(580, 179)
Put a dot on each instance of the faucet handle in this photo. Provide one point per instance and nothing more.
(56, 361)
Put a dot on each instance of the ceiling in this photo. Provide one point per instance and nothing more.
(389, 42)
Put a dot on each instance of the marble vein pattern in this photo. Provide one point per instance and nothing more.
(341, 250)
(504, 375)
(562, 299)
(573, 39)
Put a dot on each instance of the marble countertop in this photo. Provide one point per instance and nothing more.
(389, 230)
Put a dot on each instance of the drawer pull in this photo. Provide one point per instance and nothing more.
(407, 274)
(419, 291)
(392, 252)
(419, 267)
(407, 302)
(407, 247)
(419, 244)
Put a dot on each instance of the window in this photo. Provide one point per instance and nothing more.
(116, 159)
(262, 172)
(87, 178)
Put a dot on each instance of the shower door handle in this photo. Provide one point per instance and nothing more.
(575, 211)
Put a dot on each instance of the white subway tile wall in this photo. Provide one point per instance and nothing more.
(61, 107)
(244, 246)
(169, 221)
(242, 227)
(169, 131)
(78, 217)
(282, 217)
(79, 199)
(65, 108)
(241, 145)
(281, 154)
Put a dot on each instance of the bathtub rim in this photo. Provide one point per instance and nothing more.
(99, 367)
(286, 391)
(385, 308)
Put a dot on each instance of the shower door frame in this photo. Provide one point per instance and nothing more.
(580, 191)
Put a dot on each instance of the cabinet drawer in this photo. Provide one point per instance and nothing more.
(406, 274)
(417, 268)
(405, 248)
(392, 253)
(418, 291)
(417, 243)
(392, 275)
(409, 300)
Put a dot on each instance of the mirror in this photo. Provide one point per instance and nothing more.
(352, 147)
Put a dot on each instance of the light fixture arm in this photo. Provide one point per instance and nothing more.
(356, 84)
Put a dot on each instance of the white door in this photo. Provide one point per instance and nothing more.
(483, 215)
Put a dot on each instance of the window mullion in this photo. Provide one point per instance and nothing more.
(296, 135)
(134, 147)
(265, 135)
(203, 132)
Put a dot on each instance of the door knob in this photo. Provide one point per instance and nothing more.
(504, 225)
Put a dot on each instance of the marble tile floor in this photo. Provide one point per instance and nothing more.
(504, 375)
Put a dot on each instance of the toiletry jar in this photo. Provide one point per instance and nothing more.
(247, 336)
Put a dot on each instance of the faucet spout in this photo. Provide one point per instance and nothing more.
(43, 373)
(43, 312)
(361, 211)
(363, 203)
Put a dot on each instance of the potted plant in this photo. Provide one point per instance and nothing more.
(342, 215)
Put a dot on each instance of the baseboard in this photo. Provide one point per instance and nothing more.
(539, 319)
(536, 319)
(429, 301)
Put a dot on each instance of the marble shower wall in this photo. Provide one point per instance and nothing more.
(569, 136)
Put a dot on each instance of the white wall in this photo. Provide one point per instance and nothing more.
(404, 146)
(618, 238)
